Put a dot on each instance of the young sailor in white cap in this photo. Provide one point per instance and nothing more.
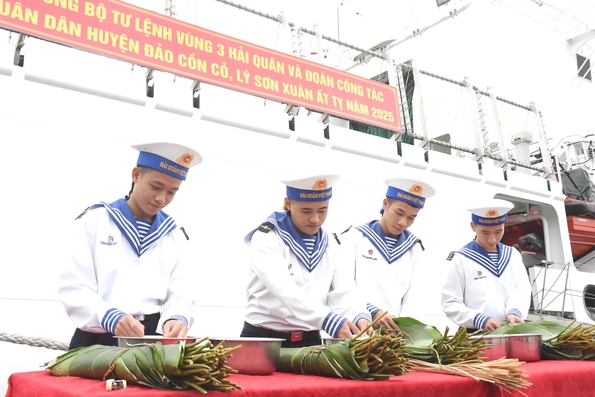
(295, 288)
(126, 274)
(382, 254)
(486, 283)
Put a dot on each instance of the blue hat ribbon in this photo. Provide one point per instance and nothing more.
(162, 164)
(409, 198)
(480, 220)
(309, 195)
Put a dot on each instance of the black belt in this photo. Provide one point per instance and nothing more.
(147, 317)
(290, 336)
(470, 330)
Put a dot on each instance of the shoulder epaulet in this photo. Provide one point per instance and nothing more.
(265, 227)
(337, 238)
(451, 255)
(421, 245)
(346, 230)
(184, 231)
(82, 213)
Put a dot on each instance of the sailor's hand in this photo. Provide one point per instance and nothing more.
(129, 326)
(348, 330)
(511, 318)
(386, 321)
(362, 324)
(491, 325)
(174, 329)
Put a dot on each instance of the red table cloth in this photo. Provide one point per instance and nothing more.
(549, 378)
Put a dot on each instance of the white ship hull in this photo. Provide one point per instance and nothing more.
(67, 119)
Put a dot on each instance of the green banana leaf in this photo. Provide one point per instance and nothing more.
(547, 329)
(426, 343)
(179, 366)
(416, 332)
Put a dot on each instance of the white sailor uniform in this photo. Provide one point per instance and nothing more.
(476, 288)
(291, 289)
(111, 272)
(382, 266)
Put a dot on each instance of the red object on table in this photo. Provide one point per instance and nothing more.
(549, 378)
(555, 378)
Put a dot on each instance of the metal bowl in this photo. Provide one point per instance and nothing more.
(128, 341)
(524, 347)
(498, 346)
(332, 341)
(257, 356)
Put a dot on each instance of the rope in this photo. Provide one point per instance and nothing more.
(37, 342)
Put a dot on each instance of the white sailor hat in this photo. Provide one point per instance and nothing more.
(311, 188)
(491, 212)
(170, 158)
(411, 191)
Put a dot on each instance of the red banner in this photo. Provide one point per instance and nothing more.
(146, 38)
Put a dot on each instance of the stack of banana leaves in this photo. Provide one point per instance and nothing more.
(371, 358)
(179, 366)
(431, 351)
(415, 347)
(559, 341)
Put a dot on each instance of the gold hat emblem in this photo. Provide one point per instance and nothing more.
(417, 189)
(492, 213)
(319, 185)
(185, 159)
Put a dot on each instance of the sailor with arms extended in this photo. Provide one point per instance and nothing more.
(486, 283)
(296, 287)
(383, 254)
(127, 274)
